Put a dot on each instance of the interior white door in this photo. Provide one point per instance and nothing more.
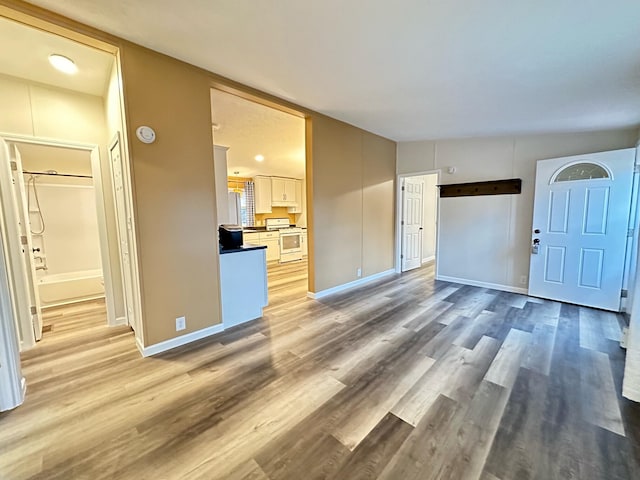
(19, 283)
(11, 381)
(580, 222)
(125, 232)
(28, 251)
(412, 217)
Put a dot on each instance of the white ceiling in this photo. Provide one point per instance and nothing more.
(25, 54)
(249, 129)
(408, 69)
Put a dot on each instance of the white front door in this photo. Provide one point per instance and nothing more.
(412, 217)
(579, 232)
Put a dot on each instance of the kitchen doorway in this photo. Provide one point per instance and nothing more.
(260, 166)
(417, 220)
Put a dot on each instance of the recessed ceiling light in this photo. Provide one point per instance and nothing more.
(62, 63)
(259, 158)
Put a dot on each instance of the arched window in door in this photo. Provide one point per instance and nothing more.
(581, 171)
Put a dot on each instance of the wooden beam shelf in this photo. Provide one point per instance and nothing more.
(492, 187)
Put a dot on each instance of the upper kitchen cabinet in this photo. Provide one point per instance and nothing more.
(262, 194)
(297, 208)
(283, 192)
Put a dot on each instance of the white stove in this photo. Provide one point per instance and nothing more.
(290, 239)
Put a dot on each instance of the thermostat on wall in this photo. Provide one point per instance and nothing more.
(146, 134)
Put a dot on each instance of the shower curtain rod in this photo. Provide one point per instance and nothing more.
(57, 174)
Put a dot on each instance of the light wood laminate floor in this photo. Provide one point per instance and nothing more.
(406, 378)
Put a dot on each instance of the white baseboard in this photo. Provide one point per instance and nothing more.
(63, 303)
(120, 321)
(632, 394)
(475, 283)
(349, 285)
(178, 341)
(428, 259)
(23, 382)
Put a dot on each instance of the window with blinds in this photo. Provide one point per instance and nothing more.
(248, 205)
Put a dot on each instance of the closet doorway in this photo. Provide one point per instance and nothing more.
(417, 214)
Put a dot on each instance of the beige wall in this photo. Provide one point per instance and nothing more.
(174, 192)
(378, 203)
(487, 239)
(353, 202)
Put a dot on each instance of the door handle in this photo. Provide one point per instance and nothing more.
(535, 247)
(35, 250)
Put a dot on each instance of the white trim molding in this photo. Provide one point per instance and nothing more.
(398, 209)
(177, 341)
(475, 283)
(630, 393)
(349, 285)
(428, 259)
(12, 383)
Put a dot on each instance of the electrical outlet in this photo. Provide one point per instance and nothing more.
(359, 272)
(523, 279)
(181, 323)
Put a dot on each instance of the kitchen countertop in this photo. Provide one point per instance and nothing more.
(264, 229)
(243, 248)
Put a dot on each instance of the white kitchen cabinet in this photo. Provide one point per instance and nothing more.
(290, 190)
(297, 208)
(251, 238)
(277, 190)
(272, 241)
(283, 192)
(273, 248)
(263, 194)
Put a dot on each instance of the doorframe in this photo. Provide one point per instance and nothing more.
(631, 258)
(17, 281)
(629, 261)
(117, 141)
(398, 225)
(12, 383)
(98, 185)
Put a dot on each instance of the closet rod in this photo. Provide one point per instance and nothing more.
(57, 174)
